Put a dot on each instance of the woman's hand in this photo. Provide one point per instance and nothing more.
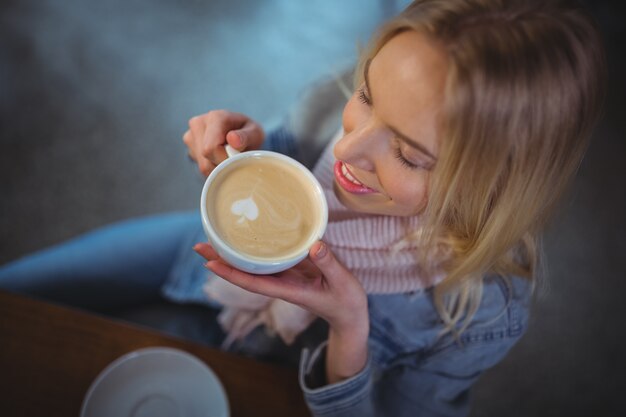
(210, 132)
(321, 285)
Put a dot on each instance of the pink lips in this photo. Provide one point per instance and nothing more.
(348, 182)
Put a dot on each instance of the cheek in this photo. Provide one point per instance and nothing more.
(411, 194)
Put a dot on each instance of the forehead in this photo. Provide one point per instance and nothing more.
(407, 81)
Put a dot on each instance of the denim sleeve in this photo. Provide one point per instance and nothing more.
(438, 385)
(433, 386)
(432, 380)
(351, 397)
(282, 140)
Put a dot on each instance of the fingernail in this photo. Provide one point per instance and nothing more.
(321, 251)
(237, 141)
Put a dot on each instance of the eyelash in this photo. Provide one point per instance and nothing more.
(363, 98)
(404, 161)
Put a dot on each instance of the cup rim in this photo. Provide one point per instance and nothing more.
(264, 262)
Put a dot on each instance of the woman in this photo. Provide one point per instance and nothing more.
(468, 120)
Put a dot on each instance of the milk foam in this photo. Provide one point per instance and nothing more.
(264, 208)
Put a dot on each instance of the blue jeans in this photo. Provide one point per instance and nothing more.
(116, 267)
(119, 270)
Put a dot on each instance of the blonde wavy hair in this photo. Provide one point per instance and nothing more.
(524, 88)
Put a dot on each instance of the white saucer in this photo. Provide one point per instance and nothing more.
(156, 382)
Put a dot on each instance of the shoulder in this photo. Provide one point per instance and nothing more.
(404, 324)
(496, 327)
(503, 311)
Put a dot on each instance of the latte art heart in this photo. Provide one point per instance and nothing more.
(245, 209)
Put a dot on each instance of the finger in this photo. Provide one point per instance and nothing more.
(205, 166)
(218, 124)
(196, 146)
(250, 136)
(206, 251)
(187, 137)
(230, 120)
(211, 157)
(259, 284)
(196, 130)
(307, 269)
(325, 260)
(219, 155)
(187, 140)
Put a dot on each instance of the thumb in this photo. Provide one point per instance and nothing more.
(326, 261)
(250, 136)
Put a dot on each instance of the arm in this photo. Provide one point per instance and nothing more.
(323, 286)
(340, 377)
(435, 386)
(427, 375)
(346, 354)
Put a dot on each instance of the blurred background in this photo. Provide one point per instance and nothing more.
(95, 97)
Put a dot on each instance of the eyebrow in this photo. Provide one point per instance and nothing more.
(412, 143)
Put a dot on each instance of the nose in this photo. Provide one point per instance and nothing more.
(355, 148)
(359, 145)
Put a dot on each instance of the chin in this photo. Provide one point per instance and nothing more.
(345, 200)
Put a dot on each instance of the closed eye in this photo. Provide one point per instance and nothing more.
(405, 162)
(363, 97)
(408, 163)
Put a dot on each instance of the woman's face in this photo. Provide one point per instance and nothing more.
(391, 139)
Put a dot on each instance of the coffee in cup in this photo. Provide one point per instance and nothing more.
(262, 211)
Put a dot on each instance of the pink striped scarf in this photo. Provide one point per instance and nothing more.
(373, 247)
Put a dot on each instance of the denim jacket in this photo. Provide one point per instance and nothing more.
(412, 369)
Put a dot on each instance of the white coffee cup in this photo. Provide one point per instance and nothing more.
(220, 188)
